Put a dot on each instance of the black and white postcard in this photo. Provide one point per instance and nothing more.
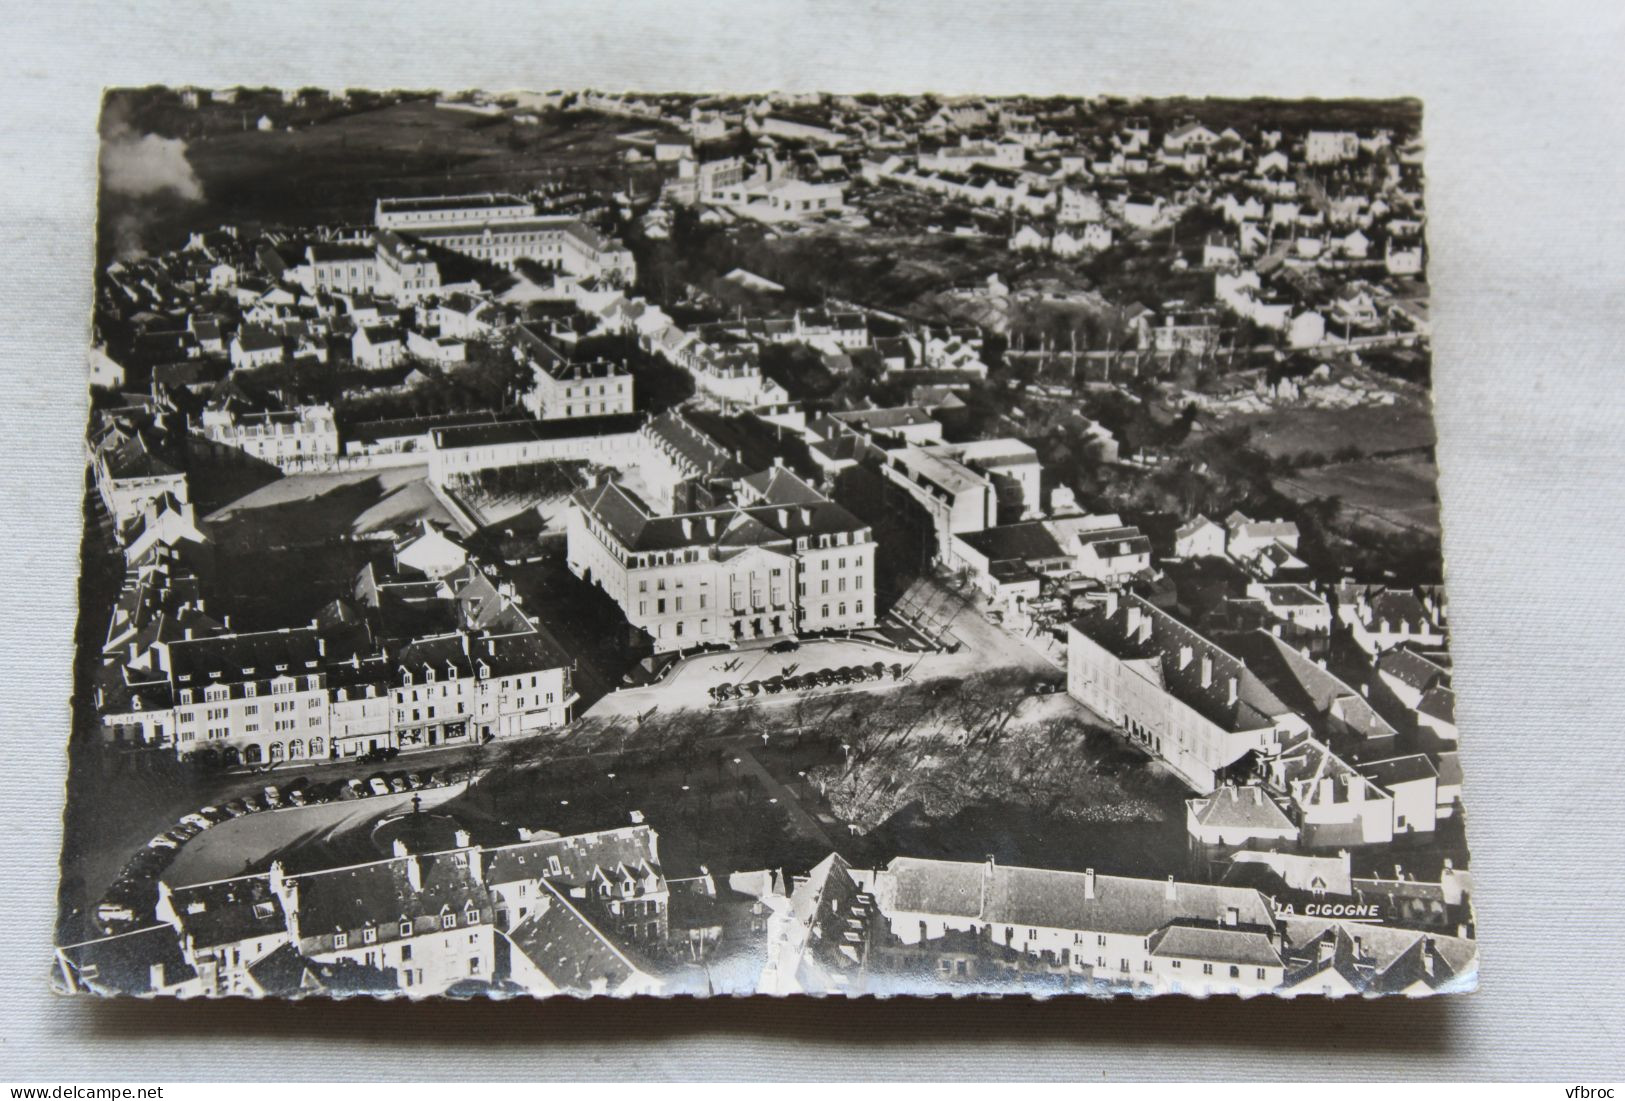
(592, 543)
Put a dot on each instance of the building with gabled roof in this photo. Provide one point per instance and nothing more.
(1235, 815)
(819, 943)
(1126, 933)
(789, 564)
(1178, 695)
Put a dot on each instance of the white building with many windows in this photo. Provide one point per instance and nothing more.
(1181, 698)
(789, 562)
(562, 387)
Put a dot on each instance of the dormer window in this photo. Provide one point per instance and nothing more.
(448, 921)
(369, 936)
(341, 940)
(406, 927)
(428, 675)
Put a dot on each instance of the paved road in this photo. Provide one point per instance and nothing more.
(787, 799)
(228, 848)
(689, 684)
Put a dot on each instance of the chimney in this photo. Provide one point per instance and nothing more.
(1359, 947)
(778, 462)
(1428, 954)
(1233, 687)
(1169, 891)
(225, 621)
(1088, 883)
(1132, 620)
(688, 528)
(1207, 670)
(1328, 791)
(463, 635)
(1232, 916)
(398, 848)
(155, 976)
(710, 525)
(1328, 948)
(806, 514)
(321, 646)
(460, 839)
(414, 873)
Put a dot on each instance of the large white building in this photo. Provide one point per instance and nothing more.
(562, 387)
(442, 210)
(1181, 698)
(1127, 933)
(503, 230)
(287, 439)
(785, 561)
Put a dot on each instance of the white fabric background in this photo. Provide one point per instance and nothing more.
(1526, 162)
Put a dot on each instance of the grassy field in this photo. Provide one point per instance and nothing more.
(1408, 423)
(1395, 493)
(332, 170)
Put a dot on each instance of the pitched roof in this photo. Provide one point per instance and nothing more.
(1219, 943)
(1024, 542)
(559, 940)
(129, 962)
(1037, 897)
(1240, 807)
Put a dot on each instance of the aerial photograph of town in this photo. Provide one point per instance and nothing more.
(599, 543)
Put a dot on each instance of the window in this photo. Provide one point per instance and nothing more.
(406, 931)
(1207, 969)
(369, 936)
(1235, 972)
(1261, 973)
(341, 940)
(448, 921)
(474, 966)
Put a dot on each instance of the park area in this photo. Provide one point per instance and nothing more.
(1298, 432)
(1395, 493)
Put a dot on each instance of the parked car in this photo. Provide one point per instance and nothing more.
(352, 789)
(414, 781)
(109, 911)
(784, 646)
(252, 804)
(296, 797)
(235, 808)
(197, 821)
(161, 842)
(273, 797)
(377, 785)
(384, 753)
(215, 815)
